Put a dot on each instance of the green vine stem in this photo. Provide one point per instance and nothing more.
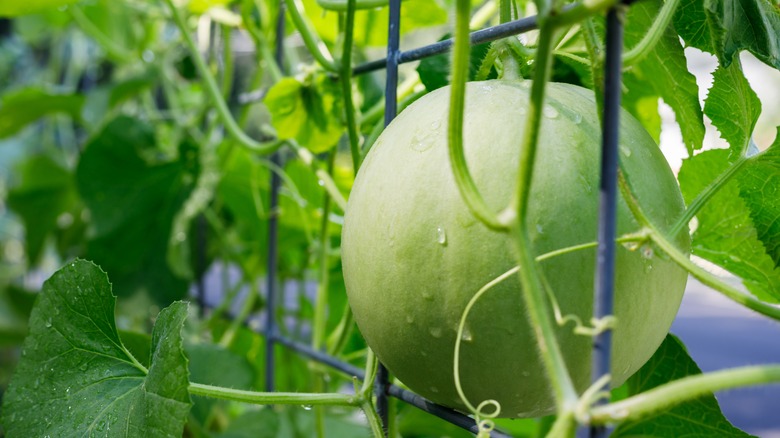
(653, 35)
(466, 185)
(682, 390)
(261, 43)
(366, 394)
(213, 90)
(324, 177)
(274, 398)
(706, 194)
(346, 84)
(310, 39)
(227, 61)
(530, 276)
(246, 308)
(338, 339)
(321, 303)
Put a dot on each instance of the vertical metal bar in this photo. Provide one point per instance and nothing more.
(605, 271)
(391, 107)
(273, 227)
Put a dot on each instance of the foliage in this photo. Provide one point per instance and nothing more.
(152, 155)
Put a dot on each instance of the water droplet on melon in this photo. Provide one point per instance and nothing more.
(441, 236)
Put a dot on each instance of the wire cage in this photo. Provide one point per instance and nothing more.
(603, 287)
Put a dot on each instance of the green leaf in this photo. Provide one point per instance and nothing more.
(732, 106)
(434, 71)
(13, 315)
(700, 418)
(308, 111)
(75, 378)
(27, 105)
(726, 234)
(13, 8)
(759, 185)
(726, 27)
(665, 70)
(133, 201)
(46, 191)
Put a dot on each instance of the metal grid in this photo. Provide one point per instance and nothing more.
(604, 283)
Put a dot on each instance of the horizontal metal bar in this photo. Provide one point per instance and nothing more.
(320, 356)
(477, 37)
(446, 414)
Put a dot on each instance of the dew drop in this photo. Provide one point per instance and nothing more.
(409, 318)
(631, 246)
(550, 112)
(434, 390)
(441, 236)
(466, 336)
(436, 125)
(539, 229)
(306, 407)
(647, 251)
(625, 150)
(525, 373)
(435, 332)
(320, 182)
(577, 118)
(48, 323)
(735, 259)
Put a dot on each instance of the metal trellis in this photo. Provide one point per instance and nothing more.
(607, 207)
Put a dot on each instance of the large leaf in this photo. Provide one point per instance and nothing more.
(133, 201)
(27, 105)
(46, 191)
(760, 189)
(665, 69)
(308, 111)
(732, 106)
(14, 8)
(700, 418)
(75, 378)
(726, 234)
(725, 27)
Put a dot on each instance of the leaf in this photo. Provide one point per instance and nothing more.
(726, 27)
(75, 378)
(133, 201)
(27, 105)
(760, 190)
(13, 317)
(14, 8)
(308, 111)
(434, 71)
(665, 69)
(46, 191)
(700, 418)
(726, 234)
(732, 106)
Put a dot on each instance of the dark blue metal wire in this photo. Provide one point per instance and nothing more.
(391, 107)
(608, 191)
(273, 231)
